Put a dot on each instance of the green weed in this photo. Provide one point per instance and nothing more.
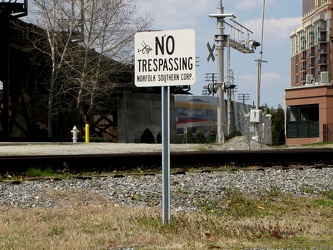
(37, 172)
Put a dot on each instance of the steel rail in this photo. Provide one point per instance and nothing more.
(195, 159)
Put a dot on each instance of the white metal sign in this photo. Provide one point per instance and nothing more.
(165, 58)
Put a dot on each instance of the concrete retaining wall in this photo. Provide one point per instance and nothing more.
(137, 112)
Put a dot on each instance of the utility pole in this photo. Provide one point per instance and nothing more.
(220, 40)
(230, 87)
(210, 77)
(243, 97)
(259, 61)
(256, 115)
(244, 45)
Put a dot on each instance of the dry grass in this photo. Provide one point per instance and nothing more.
(85, 221)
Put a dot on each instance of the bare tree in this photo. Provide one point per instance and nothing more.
(246, 131)
(89, 43)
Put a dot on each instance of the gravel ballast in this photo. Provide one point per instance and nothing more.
(187, 190)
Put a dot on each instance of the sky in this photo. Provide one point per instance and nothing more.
(281, 17)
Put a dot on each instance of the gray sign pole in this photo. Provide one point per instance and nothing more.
(166, 154)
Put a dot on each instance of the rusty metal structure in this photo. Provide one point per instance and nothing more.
(24, 74)
(9, 10)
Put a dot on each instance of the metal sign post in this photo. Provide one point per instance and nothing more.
(166, 154)
(165, 58)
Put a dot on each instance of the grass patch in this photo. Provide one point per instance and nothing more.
(37, 172)
(327, 203)
(239, 205)
(327, 199)
(319, 144)
(82, 220)
(328, 194)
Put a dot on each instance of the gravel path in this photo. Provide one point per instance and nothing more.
(13, 148)
(187, 190)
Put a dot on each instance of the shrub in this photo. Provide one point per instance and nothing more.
(188, 137)
(199, 136)
(211, 137)
(234, 134)
(147, 137)
(159, 137)
(176, 139)
(98, 139)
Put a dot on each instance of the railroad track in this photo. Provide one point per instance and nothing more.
(193, 159)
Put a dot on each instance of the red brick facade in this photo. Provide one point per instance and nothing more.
(309, 101)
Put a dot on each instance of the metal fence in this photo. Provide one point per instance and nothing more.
(328, 132)
(307, 129)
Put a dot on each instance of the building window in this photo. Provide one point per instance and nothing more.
(303, 121)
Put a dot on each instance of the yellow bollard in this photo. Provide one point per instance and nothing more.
(87, 133)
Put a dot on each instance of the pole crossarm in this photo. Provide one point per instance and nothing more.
(241, 47)
(240, 39)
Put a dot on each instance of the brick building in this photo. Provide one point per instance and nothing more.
(309, 100)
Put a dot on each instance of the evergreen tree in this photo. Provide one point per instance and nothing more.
(199, 136)
(147, 137)
(278, 136)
